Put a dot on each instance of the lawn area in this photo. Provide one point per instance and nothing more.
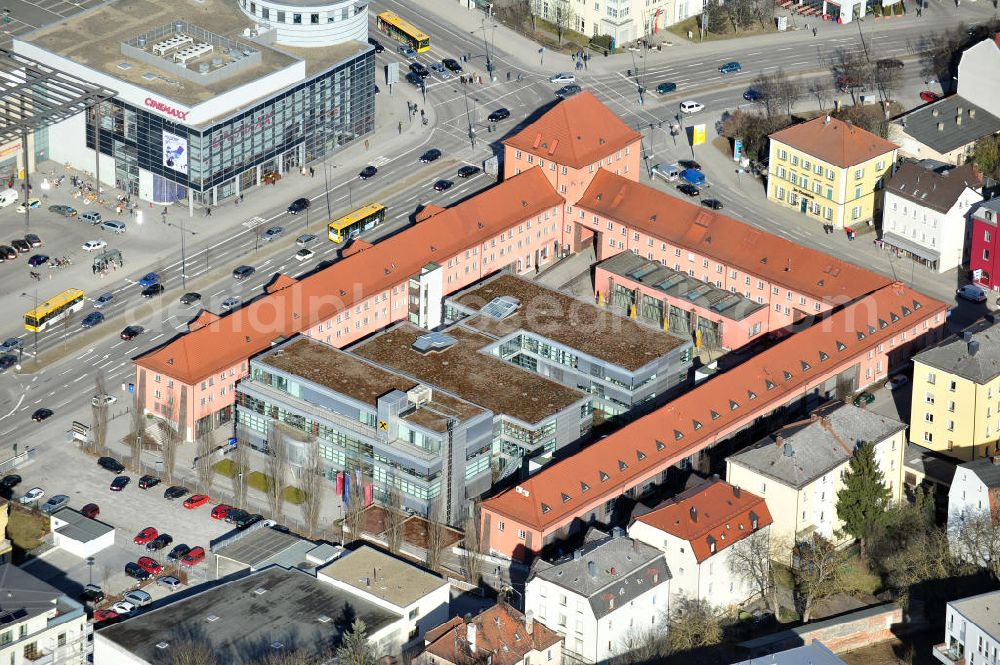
(681, 30)
(225, 467)
(26, 529)
(294, 496)
(258, 481)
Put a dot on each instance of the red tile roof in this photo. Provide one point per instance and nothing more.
(576, 132)
(710, 411)
(500, 633)
(713, 512)
(304, 303)
(728, 241)
(834, 141)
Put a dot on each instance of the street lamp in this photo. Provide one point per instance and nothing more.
(90, 567)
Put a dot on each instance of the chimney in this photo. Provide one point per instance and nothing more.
(973, 347)
(966, 335)
(592, 569)
(935, 113)
(827, 121)
(778, 440)
(694, 514)
(736, 491)
(470, 636)
(617, 532)
(972, 113)
(577, 555)
(529, 622)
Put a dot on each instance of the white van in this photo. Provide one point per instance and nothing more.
(669, 172)
(139, 598)
(8, 196)
(691, 107)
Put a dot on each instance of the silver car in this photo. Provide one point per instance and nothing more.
(439, 70)
(55, 503)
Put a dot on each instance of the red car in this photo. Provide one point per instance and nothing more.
(196, 500)
(150, 565)
(104, 615)
(146, 535)
(929, 96)
(220, 511)
(196, 555)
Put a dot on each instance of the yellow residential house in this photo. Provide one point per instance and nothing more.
(955, 407)
(829, 170)
(799, 469)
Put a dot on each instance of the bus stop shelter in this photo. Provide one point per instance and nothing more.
(34, 96)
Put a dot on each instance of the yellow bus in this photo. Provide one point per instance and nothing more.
(353, 224)
(53, 310)
(403, 32)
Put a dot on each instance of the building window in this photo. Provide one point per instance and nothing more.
(856, 212)
(500, 525)
(929, 398)
(521, 534)
(928, 437)
(986, 236)
(314, 19)
(859, 174)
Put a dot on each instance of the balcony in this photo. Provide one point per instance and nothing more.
(949, 655)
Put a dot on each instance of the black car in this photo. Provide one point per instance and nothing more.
(431, 155)
(131, 332)
(7, 361)
(65, 211)
(443, 185)
(148, 481)
(248, 520)
(414, 79)
(174, 492)
(178, 552)
(92, 320)
(242, 272)
(33, 239)
(41, 414)
(568, 91)
(236, 514)
(158, 543)
(377, 44)
(714, 204)
(690, 190)
(21, 245)
(498, 115)
(468, 171)
(298, 205)
(92, 594)
(368, 172)
(452, 64)
(38, 260)
(690, 164)
(110, 464)
(119, 483)
(8, 253)
(190, 298)
(132, 569)
(419, 70)
(153, 290)
(10, 481)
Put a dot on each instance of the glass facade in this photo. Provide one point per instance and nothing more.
(294, 127)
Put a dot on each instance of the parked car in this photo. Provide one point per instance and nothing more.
(114, 226)
(12, 480)
(270, 235)
(65, 211)
(190, 298)
(149, 279)
(169, 581)
(431, 155)
(41, 414)
(414, 79)
(153, 290)
(120, 483)
(38, 260)
(20, 245)
(174, 492)
(666, 87)
(243, 272)
(131, 332)
(498, 115)
(134, 570)
(110, 464)
(751, 95)
(220, 511)
(730, 68)
(895, 382)
(55, 503)
(377, 44)
(368, 172)
(8, 253)
(92, 320)
(443, 185)
(158, 543)
(693, 176)
(149, 564)
(148, 481)
(562, 77)
(103, 400)
(196, 501)
(32, 495)
(692, 107)
(688, 189)
(178, 552)
(236, 514)
(889, 63)
(245, 522)
(194, 556)
(103, 299)
(468, 171)
(123, 607)
(33, 239)
(669, 172)
(929, 97)
(139, 598)
(972, 293)
(864, 398)
(91, 510)
(92, 594)
(452, 64)
(568, 91)
(714, 204)
(146, 535)
(105, 616)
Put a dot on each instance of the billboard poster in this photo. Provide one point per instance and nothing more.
(737, 150)
(175, 152)
(698, 135)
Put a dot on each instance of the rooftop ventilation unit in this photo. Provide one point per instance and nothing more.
(162, 645)
(212, 618)
(419, 395)
(124, 65)
(260, 591)
(500, 308)
(324, 618)
(149, 76)
(434, 341)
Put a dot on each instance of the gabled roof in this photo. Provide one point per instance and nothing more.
(712, 514)
(987, 469)
(500, 633)
(937, 125)
(937, 189)
(609, 572)
(834, 141)
(765, 255)
(696, 419)
(974, 355)
(303, 303)
(577, 132)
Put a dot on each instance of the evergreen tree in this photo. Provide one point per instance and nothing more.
(864, 500)
(355, 649)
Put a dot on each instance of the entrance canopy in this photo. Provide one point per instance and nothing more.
(33, 95)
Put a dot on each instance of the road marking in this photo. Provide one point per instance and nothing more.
(80, 378)
(157, 337)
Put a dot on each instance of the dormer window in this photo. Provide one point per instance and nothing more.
(711, 544)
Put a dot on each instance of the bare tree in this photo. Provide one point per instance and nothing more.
(821, 89)
(888, 80)
(241, 469)
(768, 92)
(564, 18)
(750, 562)
(975, 538)
(436, 531)
(789, 90)
(818, 572)
(394, 518)
(639, 645)
(100, 409)
(693, 623)
(277, 469)
(204, 466)
(312, 485)
(926, 556)
(192, 652)
(471, 546)
(137, 432)
(173, 436)
(354, 511)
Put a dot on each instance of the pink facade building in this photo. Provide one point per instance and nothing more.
(984, 252)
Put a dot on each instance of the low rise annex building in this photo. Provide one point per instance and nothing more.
(213, 97)
(499, 634)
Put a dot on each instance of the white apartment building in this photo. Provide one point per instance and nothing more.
(696, 530)
(927, 214)
(972, 634)
(605, 594)
(974, 493)
(41, 624)
(623, 20)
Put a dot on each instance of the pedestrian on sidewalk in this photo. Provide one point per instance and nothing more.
(366, 144)
(508, 76)
(400, 126)
(208, 211)
(312, 171)
(814, 32)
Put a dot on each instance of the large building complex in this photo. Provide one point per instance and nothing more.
(40, 624)
(214, 97)
(849, 349)
(830, 170)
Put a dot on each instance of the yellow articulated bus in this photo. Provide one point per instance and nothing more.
(403, 32)
(353, 224)
(53, 310)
